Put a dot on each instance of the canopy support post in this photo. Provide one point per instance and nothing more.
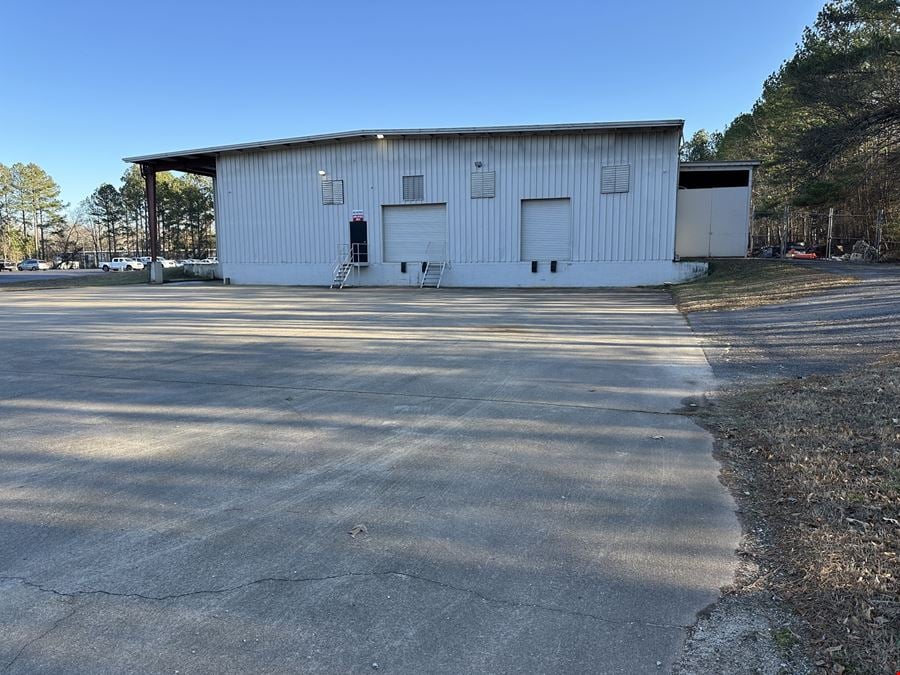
(156, 271)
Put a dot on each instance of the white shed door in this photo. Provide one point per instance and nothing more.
(712, 222)
(692, 223)
(414, 233)
(546, 229)
(729, 222)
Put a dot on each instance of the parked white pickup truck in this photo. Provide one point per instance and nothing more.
(122, 265)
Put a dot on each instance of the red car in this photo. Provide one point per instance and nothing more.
(800, 254)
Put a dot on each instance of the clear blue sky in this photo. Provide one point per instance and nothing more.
(86, 83)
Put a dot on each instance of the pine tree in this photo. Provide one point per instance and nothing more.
(107, 211)
(5, 213)
(35, 197)
(134, 203)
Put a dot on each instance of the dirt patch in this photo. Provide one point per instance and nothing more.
(814, 465)
(738, 284)
(745, 633)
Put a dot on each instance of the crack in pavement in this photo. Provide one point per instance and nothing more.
(56, 624)
(346, 575)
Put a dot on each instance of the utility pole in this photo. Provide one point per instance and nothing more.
(43, 243)
(34, 233)
(785, 226)
(879, 226)
(830, 231)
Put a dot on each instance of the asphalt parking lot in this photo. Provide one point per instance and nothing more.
(183, 468)
(838, 331)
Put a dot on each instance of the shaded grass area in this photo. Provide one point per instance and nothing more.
(106, 279)
(815, 467)
(737, 284)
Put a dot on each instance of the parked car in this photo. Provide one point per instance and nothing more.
(7, 265)
(800, 253)
(122, 265)
(60, 264)
(767, 252)
(33, 264)
(165, 262)
(209, 261)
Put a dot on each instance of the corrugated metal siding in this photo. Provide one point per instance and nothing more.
(270, 206)
(546, 229)
(414, 233)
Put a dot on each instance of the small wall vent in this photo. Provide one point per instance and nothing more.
(332, 191)
(484, 184)
(615, 178)
(413, 188)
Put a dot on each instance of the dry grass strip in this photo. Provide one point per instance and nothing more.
(815, 463)
(737, 284)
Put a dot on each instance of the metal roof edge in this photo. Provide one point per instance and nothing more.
(529, 129)
(720, 164)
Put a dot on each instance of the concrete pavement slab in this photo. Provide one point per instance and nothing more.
(529, 498)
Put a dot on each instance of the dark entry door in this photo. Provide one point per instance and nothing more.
(359, 235)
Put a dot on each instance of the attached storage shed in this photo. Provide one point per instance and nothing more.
(714, 209)
(551, 205)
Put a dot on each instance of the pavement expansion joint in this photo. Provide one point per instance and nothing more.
(346, 575)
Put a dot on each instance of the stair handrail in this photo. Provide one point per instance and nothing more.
(345, 257)
(358, 250)
(438, 246)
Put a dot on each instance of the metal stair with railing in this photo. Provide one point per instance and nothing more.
(350, 257)
(435, 264)
(342, 272)
(434, 273)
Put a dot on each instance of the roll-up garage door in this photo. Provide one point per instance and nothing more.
(546, 229)
(414, 233)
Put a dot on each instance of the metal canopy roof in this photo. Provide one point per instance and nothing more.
(720, 165)
(203, 160)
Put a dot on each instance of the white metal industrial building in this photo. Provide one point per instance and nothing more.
(569, 205)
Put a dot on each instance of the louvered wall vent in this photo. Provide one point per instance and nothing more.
(413, 188)
(616, 178)
(332, 191)
(483, 184)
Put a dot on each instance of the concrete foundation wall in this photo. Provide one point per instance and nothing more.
(204, 271)
(571, 275)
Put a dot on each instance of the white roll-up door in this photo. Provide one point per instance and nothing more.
(414, 233)
(546, 227)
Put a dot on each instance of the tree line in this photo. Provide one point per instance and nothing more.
(30, 208)
(827, 124)
(34, 222)
(184, 207)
